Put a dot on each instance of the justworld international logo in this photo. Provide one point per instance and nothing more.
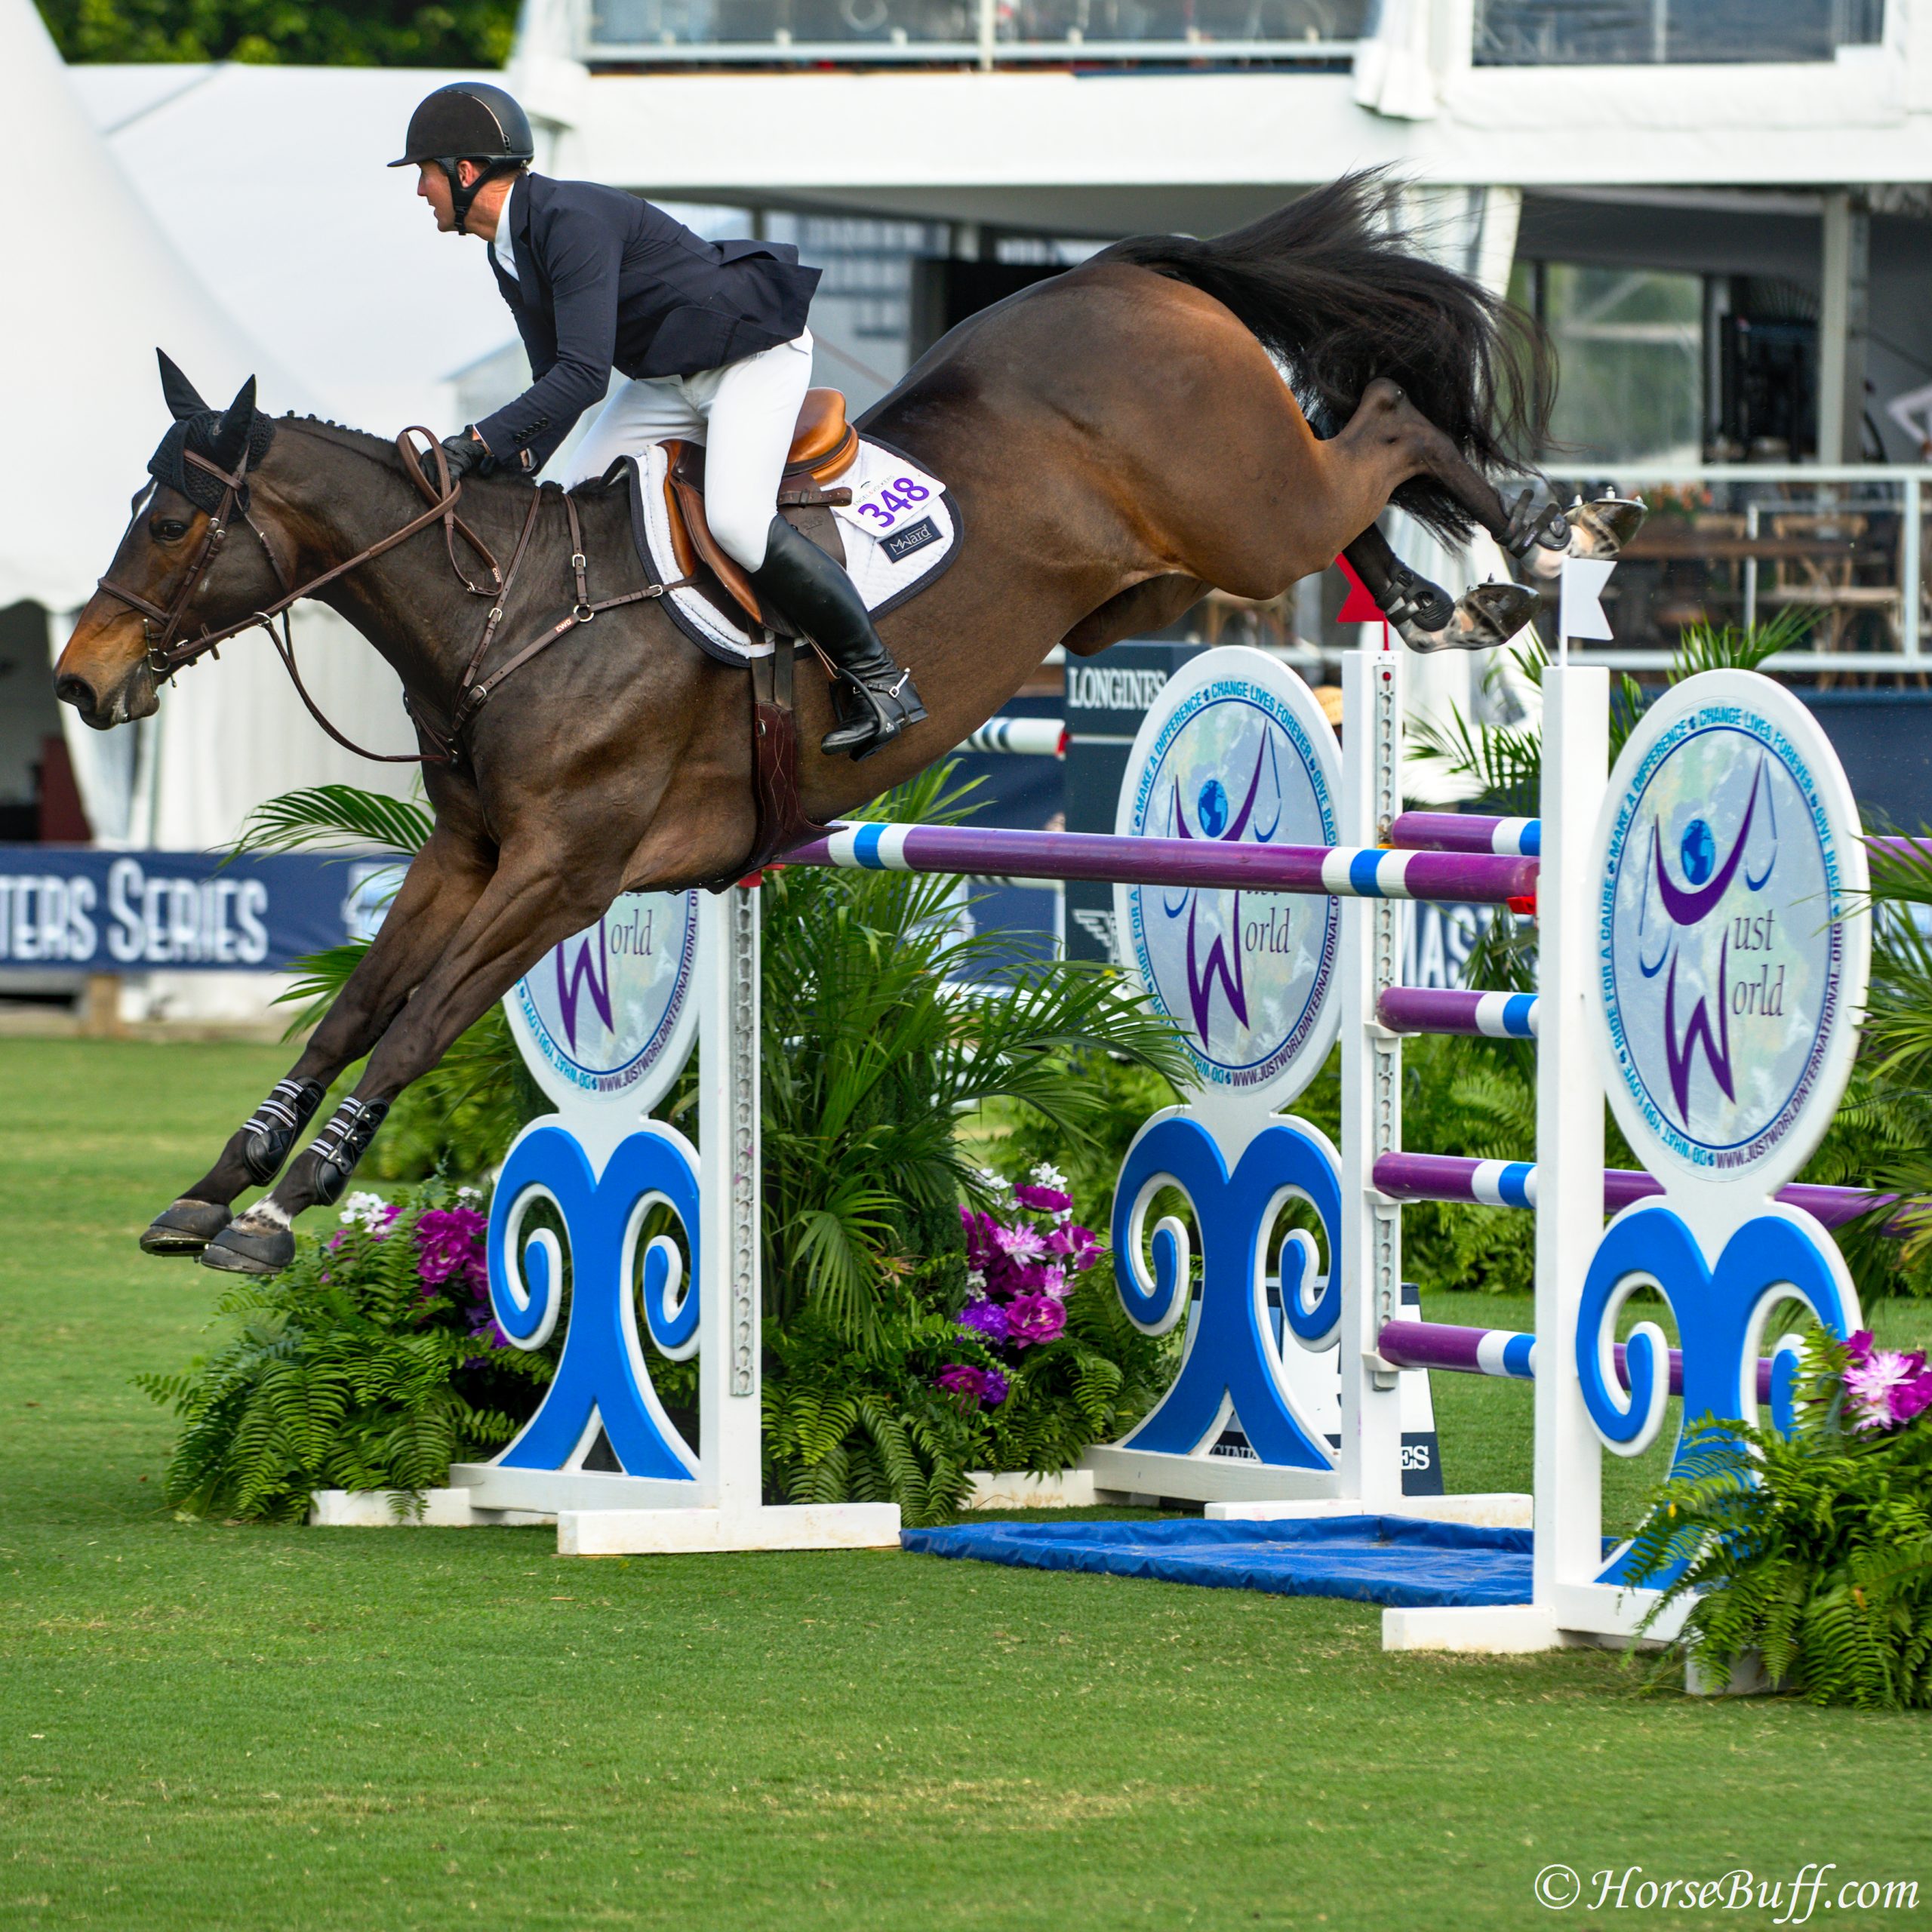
(1670, 911)
(1215, 819)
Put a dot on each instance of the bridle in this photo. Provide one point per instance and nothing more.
(168, 653)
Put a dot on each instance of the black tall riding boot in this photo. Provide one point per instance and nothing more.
(817, 598)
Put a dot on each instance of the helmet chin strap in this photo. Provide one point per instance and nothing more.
(462, 198)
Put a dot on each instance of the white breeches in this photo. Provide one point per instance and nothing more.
(743, 414)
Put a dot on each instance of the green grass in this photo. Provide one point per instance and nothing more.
(203, 1727)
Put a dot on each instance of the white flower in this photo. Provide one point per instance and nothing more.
(366, 1209)
(976, 1282)
(1047, 1175)
(469, 1194)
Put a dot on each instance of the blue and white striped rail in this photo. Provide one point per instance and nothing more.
(1467, 831)
(1022, 737)
(1503, 1352)
(1334, 871)
(1430, 1010)
(1513, 1184)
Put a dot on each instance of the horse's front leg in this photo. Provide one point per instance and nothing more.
(534, 900)
(443, 884)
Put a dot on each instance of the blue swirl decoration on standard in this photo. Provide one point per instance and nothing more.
(1721, 1316)
(1231, 1352)
(601, 1369)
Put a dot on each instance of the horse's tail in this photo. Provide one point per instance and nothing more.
(1332, 288)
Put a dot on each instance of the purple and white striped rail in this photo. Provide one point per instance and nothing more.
(1502, 1352)
(1337, 872)
(1513, 1184)
(1465, 831)
(1431, 1009)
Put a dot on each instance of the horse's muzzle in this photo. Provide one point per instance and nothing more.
(134, 697)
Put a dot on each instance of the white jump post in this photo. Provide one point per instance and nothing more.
(1369, 1464)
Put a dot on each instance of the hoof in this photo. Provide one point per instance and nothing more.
(185, 1228)
(1602, 528)
(1488, 615)
(240, 1249)
(1530, 527)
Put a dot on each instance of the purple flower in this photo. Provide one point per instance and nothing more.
(985, 1385)
(1019, 1243)
(1053, 1282)
(1034, 1319)
(986, 1318)
(1079, 1245)
(980, 1252)
(1045, 1200)
(1888, 1386)
(449, 1243)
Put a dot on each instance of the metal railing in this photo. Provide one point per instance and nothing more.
(1737, 542)
(983, 33)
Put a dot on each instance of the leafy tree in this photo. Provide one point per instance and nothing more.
(345, 33)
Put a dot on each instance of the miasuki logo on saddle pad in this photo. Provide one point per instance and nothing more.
(603, 1009)
(1729, 868)
(1235, 749)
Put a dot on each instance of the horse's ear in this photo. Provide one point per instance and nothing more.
(182, 397)
(231, 433)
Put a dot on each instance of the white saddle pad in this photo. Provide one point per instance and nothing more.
(900, 530)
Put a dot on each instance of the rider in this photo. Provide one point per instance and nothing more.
(710, 337)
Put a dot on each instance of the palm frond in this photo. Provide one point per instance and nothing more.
(337, 817)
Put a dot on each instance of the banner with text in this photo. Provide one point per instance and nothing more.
(100, 911)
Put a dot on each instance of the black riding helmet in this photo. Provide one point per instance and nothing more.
(467, 120)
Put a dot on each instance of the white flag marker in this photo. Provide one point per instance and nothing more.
(1580, 613)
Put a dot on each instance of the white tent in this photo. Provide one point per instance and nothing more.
(107, 287)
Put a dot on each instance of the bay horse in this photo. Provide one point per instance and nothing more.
(1118, 440)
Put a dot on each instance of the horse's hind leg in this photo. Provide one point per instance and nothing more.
(1425, 616)
(442, 884)
(1387, 422)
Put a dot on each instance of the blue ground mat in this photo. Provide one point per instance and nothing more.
(1395, 1560)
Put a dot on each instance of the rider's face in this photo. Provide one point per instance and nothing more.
(433, 185)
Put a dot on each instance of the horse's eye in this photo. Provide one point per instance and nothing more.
(168, 530)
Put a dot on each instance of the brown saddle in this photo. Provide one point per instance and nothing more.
(823, 447)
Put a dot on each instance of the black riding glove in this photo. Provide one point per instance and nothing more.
(466, 451)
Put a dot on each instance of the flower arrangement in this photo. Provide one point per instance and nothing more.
(1022, 1265)
(374, 1362)
(1813, 1550)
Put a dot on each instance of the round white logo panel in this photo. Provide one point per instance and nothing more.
(606, 1016)
(1236, 748)
(1730, 955)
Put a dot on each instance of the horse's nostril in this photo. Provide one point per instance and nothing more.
(76, 691)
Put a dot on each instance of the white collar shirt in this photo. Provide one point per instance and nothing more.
(505, 255)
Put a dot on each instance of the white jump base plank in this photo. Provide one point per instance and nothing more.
(548, 1491)
(442, 1509)
(1146, 1472)
(668, 1532)
(1489, 1509)
(1019, 1489)
(1494, 1630)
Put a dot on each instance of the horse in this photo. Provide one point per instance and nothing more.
(1172, 416)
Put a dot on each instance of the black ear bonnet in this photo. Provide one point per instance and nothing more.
(223, 436)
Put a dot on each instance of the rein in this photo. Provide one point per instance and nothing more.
(167, 655)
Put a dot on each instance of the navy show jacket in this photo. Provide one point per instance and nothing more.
(603, 280)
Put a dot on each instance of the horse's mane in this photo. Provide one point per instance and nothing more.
(383, 449)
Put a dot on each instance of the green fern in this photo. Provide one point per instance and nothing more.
(1813, 1550)
(347, 1371)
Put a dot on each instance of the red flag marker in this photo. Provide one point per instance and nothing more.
(1358, 607)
